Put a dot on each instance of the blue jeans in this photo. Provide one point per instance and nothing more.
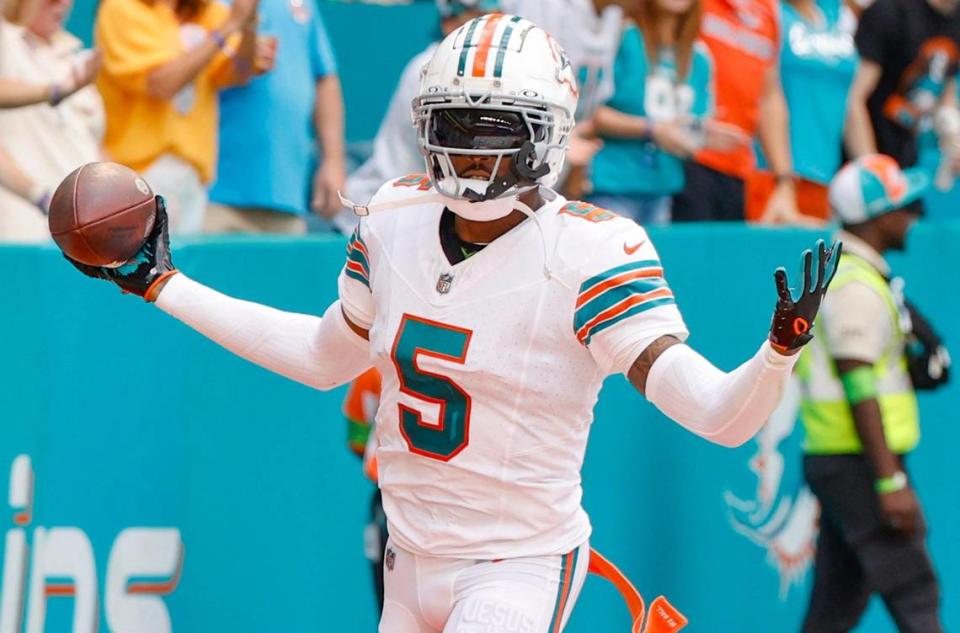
(644, 209)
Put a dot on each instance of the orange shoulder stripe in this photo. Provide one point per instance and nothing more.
(620, 308)
(619, 280)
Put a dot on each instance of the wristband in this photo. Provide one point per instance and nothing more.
(56, 95)
(894, 483)
(153, 290)
(218, 38)
(648, 127)
(784, 177)
(40, 196)
(859, 384)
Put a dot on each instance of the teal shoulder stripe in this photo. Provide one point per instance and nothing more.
(635, 310)
(356, 237)
(352, 240)
(613, 272)
(609, 298)
(465, 47)
(356, 255)
(504, 43)
(355, 275)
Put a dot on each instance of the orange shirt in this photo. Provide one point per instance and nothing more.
(137, 36)
(360, 409)
(744, 39)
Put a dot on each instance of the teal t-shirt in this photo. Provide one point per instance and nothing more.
(635, 166)
(817, 63)
(268, 144)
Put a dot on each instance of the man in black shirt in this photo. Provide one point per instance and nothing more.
(909, 53)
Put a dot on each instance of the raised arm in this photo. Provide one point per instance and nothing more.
(729, 408)
(858, 130)
(321, 352)
(16, 94)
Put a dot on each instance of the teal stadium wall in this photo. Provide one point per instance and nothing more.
(131, 419)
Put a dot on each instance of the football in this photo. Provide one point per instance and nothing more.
(101, 214)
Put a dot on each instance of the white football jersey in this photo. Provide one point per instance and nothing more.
(491, 367)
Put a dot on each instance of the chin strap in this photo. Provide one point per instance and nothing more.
(521, 174)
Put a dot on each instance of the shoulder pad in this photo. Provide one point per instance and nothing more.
(405, 187)
(592, 236)
(399, 192)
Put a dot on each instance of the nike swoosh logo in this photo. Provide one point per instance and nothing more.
(630, 250)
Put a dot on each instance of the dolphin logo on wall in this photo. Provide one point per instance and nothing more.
(783, 515)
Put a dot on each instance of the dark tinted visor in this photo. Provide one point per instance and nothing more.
(475, 128)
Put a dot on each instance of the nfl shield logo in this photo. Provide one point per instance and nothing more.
(390, 559)
(444, 283)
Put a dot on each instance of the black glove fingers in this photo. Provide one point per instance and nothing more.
(162, 225)
(835, 251)
(783, 290)
(162, 218)
(806, 272)
(161, 221)
(822, 257)
(90, 271)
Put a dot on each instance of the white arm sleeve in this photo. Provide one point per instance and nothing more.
(725, 408)
(322, 352)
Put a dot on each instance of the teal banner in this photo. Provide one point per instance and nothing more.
(157, 483)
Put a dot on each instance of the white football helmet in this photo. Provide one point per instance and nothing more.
(497, 86)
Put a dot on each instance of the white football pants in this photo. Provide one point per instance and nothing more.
(443, 595)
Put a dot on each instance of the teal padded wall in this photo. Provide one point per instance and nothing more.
(133, 420)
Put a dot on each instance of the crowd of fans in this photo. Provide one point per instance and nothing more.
(690, 110)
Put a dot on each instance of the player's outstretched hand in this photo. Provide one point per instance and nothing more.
(797, 307)
(142, 275)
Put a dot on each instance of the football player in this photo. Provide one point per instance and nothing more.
(494, 309)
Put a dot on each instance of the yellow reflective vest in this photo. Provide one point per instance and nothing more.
(825, 412)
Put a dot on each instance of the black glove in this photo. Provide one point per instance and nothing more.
(142, 274)
(796, 309)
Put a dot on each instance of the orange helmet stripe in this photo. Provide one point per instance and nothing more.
(483, 48)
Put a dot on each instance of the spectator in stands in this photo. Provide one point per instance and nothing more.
(19, 191)
(41, 64)
(658, 113)
(907, 73)
(163, 63)
(271, 132)
(744, 40)
(395, 150)
(817, 62)
(589, 32)
(15, 93)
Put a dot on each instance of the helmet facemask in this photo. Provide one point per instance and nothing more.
(498, 87)
(516, 130)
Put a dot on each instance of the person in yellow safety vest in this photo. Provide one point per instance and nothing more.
(860, 416)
